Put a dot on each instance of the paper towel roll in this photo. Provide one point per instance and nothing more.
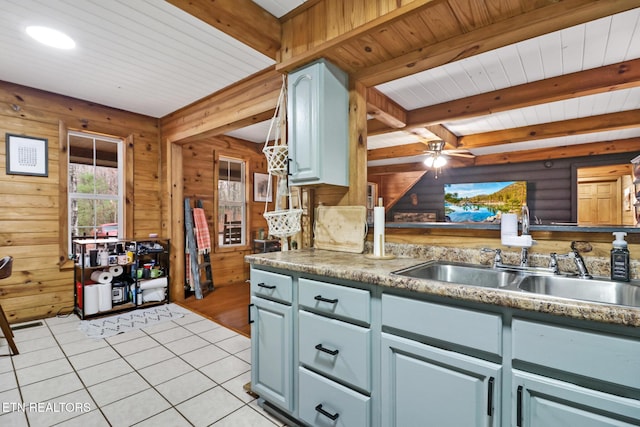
(105, 301)
(509, 225)
(378, 231)
(91, 299)
(149, 295)
(100, 276)
(116, 270)
(160, 282)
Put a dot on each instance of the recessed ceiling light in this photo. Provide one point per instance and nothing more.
(51, 37)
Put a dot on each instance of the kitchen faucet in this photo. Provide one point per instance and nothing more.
(583, 273)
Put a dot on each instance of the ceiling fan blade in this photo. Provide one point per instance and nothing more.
(465, 155)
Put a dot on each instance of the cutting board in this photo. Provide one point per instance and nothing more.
(340, 228)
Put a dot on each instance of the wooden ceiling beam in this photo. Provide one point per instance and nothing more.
(604, 122)
(622, 75)
(385, 109)
(451, 140)
(405, 150)
(321, 45)
(452, 162)
(247, 102)
(376, 127)
(527, 25)
(243, 20)
(567, 151)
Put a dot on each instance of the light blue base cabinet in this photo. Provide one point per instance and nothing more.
(330, 352)
(318, 125)
(544, 402)
(271, 356)
(424, 385)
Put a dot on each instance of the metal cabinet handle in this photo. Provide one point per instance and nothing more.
(330, 301)
(262, 285)
(326, 350)
(519, 407)
(332, 417)
(249, 313)
(288, 166)
(490, 397)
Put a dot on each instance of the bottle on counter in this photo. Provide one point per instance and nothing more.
(620, 258)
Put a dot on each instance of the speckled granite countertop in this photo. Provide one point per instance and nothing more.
(357, 267)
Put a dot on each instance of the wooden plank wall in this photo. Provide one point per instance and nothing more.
(198, 165)
(29, 218)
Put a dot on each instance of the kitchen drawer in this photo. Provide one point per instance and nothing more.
(320, 399)
(352, 344)
(605, 357)
(474, 329)
(335, 300)
(271, 285)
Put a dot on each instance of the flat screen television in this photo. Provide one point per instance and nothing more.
(483, 201)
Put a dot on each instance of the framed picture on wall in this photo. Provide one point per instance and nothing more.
(27, 155)
(261, 190)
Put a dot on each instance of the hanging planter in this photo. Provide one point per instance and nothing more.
(282, 222)
(278, 154)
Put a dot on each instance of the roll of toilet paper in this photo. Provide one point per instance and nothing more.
(160, 282)
(116, 270)
(509, 225)
(105, 301)
(378, 231)
(101, 276)
(91, 304)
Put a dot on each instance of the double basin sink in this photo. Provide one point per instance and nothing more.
(571, 287)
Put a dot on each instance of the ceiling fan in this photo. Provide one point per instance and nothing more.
(438, 155)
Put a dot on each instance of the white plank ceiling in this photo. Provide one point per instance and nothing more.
(602, 42)
(149, 57)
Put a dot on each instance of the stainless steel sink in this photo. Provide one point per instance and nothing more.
(465, 274)
(603, 291)
(595, 290)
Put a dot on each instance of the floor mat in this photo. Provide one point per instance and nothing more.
(108, 326)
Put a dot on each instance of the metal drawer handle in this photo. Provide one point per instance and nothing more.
(519, 407)
(249, 312)
(326, 350)
(262, 285)
(490, 396)
(330, 301)
(332, 417)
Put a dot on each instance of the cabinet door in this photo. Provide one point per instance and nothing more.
(427, 386)
(303, 124)
(542, 402)
(318, 125)
(271, 352)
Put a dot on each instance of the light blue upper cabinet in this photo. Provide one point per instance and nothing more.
(318, 125)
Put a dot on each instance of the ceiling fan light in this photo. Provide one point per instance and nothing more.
(439, 162)
(435, 162)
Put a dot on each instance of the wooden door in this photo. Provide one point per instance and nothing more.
(599, 203)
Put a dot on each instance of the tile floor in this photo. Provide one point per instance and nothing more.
(185, 372)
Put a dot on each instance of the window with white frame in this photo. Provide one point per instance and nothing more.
(231, 202)
(95, 187)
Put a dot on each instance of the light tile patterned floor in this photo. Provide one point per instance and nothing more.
(185, 372)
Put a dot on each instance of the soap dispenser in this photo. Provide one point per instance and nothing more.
(620, 258)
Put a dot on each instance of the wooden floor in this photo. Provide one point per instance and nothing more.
(227, 305)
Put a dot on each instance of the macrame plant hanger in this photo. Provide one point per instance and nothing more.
(284, 221)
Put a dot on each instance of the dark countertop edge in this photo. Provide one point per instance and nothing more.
(359, 271)
(532, 228)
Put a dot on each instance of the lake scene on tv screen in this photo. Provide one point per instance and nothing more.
(483, 201)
